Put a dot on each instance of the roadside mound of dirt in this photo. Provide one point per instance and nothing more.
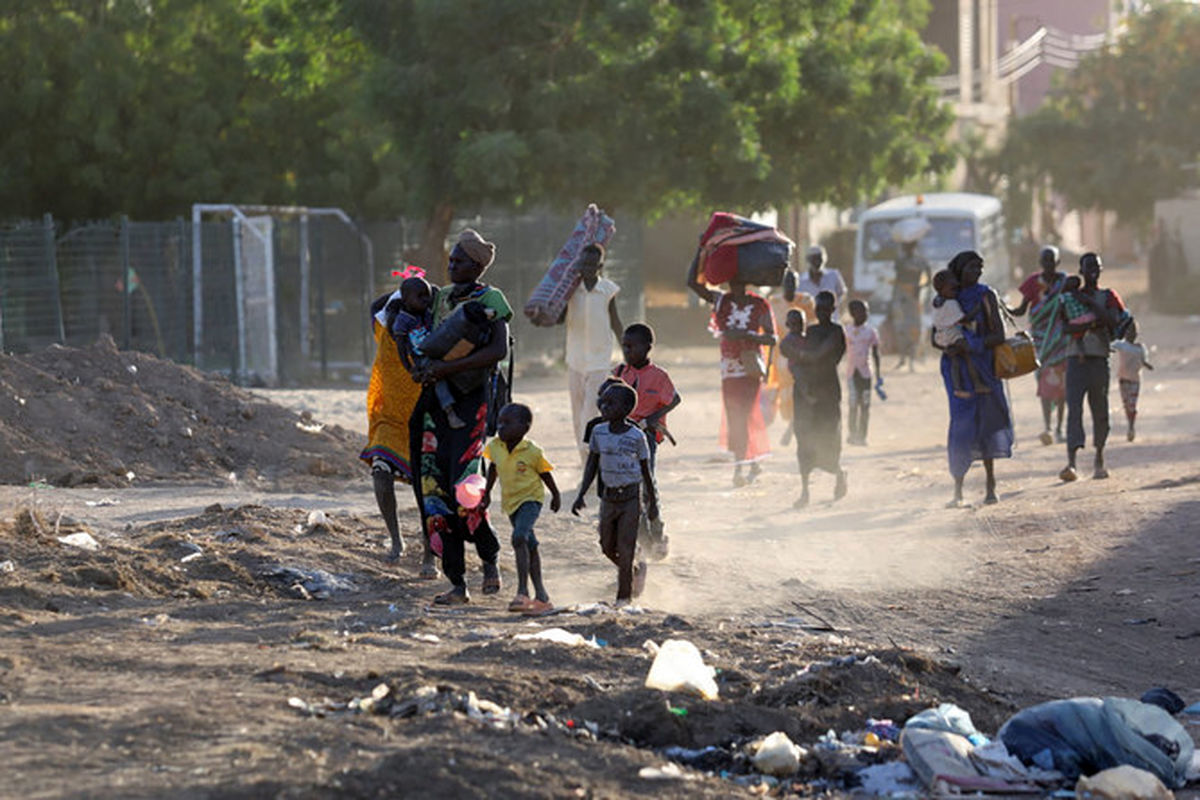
(102, 417)
(293, 617)
(239, 553)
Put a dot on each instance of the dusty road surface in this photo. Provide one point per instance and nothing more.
(181, 658)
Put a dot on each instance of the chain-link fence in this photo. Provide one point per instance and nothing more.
(273, 296)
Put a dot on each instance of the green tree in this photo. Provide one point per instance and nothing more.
(645, 105)
(1120, 129)
(147, 106)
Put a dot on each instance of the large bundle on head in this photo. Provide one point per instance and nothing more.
(736, 248)
(548, 301)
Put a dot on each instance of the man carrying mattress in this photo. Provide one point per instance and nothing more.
(592, 325)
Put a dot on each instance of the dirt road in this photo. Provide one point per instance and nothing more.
(129, 672)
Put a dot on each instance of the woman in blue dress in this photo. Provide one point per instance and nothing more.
(980, 424)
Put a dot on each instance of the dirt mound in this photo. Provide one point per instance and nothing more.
(96, 416)
(245, 552)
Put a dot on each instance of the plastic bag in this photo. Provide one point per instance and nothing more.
(679, 667)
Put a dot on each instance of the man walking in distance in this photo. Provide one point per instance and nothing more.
(592, 326)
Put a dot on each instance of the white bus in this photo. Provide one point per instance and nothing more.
(958, 221)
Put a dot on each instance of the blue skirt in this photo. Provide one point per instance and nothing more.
(980, 425)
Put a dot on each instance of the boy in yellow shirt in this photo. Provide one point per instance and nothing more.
(522, 469)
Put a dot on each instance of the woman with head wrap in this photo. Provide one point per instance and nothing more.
(745, 325)
(446, 457)
(980, 424)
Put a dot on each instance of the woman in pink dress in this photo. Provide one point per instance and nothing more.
(745, 325)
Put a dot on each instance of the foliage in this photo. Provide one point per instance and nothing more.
(1120, 129)
(645, 105)
(424, 107)
(128, 106)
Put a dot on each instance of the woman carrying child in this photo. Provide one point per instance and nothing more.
(980, 424)
(450, 455)
(813, 356)
(1040, 296)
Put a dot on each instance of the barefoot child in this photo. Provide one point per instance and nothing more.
(1131, 357)
(656, 396)
(948, 321)
(619, 453)
(522, 469)
(862, 347)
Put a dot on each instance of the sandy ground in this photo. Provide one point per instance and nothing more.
(129, 672)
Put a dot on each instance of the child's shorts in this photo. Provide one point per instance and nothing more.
(523, 520)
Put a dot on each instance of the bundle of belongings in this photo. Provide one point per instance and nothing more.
(734, 248)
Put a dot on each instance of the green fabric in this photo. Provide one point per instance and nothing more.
(488, 296)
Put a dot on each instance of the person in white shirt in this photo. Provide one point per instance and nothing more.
(817, 278)
(1131, 357)
(591, 320)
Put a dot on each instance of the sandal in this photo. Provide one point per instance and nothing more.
(454, 597)
(519, 603)
(536, 608)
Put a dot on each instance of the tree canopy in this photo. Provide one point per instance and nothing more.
(1119, 132)
(425, 107)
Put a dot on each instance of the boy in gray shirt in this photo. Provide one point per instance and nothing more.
(619, 452)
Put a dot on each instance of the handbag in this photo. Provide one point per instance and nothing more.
(1016, 355)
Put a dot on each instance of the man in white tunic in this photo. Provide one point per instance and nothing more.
(591, 320)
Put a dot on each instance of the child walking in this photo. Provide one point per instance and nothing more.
(862, 347)
(619, 453)
(948, 321)
(524, 475)
(1131, 357)
(656, 396)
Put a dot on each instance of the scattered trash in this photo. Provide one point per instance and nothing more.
(317, 520)
(129, 476)
(104, 501)
(778, 755)
(425, 637)
(943, 757)
(889, 778)
(8, 566)
(1122, 783)
(82, 540)
(310, 427)
(1165, 699)
(190, 557)
(667, 772)
(314, 584)
(947, 717)
(679, 667)
(678, 711)
(1087, 734)
(558, 636)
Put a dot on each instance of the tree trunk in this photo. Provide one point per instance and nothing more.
(430, 254)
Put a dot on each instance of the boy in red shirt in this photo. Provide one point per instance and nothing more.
(656, 396)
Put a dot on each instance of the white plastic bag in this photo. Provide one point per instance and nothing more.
(679, 667)
(778, 755)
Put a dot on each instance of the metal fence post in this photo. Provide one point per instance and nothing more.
(240, 350)
(52, 267)
(126, 285)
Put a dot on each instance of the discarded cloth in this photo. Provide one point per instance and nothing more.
(1085, 735)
